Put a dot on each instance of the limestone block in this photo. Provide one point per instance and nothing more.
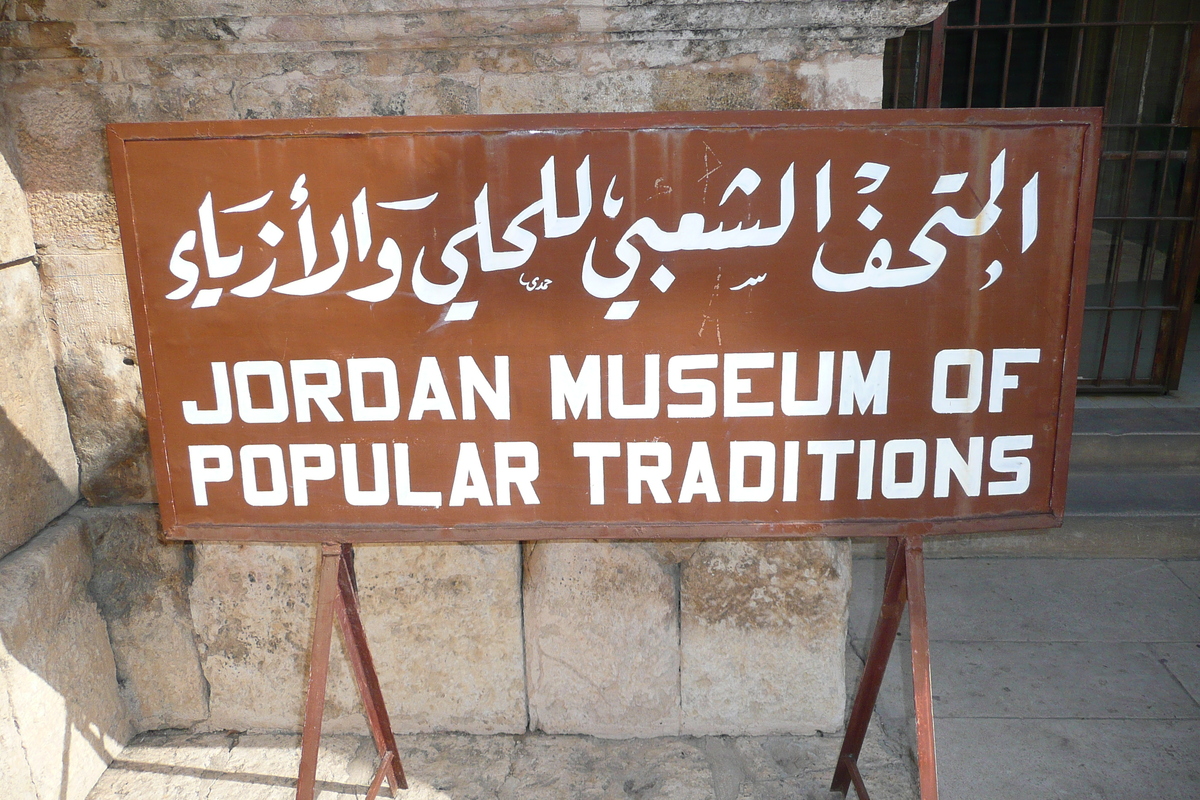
(139, 584)
(58, 683)
(601, 639)
(556, 94)
(831, 80)
(88, 307)
(40, 475)
(837, 80)
(72, 222)
(443, 623)
(252, 608)
(762, 634)
(16, 235)
(60, 137)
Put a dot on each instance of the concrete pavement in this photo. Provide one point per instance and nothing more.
(1054, 677)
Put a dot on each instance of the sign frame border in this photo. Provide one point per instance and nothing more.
(1087, 119)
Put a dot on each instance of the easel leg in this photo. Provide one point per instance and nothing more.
(922, 678)
(876, 664)
(359, 656)
(318, 670)
(337, 594)
(904, 582)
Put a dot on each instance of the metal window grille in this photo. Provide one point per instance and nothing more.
(1140, 60)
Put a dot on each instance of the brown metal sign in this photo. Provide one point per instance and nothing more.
(689, 325)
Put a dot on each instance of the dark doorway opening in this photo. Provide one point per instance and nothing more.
(1140, 61)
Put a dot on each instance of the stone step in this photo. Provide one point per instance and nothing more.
(1134, 492)
(1159, 438)
(1081, 536)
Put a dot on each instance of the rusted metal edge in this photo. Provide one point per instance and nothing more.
(1088, 176)
(120, 134)
(526, 531)
(368, 126)
(883, 638)
(918, 622)
(123, 194)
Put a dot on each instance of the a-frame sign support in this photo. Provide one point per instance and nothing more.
(337, 595)
(905, 583)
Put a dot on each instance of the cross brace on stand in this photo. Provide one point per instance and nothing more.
(337, 594)
(905, 582)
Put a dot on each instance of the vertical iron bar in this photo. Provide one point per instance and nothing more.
(922, 678)
(318, 670)
(897, 67)
(1143, 282)
(1079, 36)
(1187, 253)
(1008, 42)
(1041, 73)
(971, 67)
(936, 63)
(1113, 275)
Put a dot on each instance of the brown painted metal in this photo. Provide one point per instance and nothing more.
(337, 595)
(856, 778)
(904, 583)
(377, 782)
(895, 593)
(318, 669)
(363, 667)
(669, 169)
(935, 63)
(914, 558)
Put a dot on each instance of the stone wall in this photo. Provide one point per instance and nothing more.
(613, 639)
(61, 716)
(40, 475)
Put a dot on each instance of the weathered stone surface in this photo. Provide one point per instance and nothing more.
(443, 622)
(828, 81)
(773, 614)
(76, 222)
(16, 234)
(88, 308)
(40, 475)
(59, 134)
(252, 610)
(140, 586)
(601, 639)
(219, 766)
(61, 718)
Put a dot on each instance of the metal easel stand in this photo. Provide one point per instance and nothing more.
(905, 582)
(337, 594)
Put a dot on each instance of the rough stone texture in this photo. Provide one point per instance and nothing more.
(217, 766)
(16, 233)
(601, 639)
(443, 622)
(830, 81)
(40, 477)
(88, 306)
(69, 66)
(61, 717)
(140, 586)
(773, 614)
